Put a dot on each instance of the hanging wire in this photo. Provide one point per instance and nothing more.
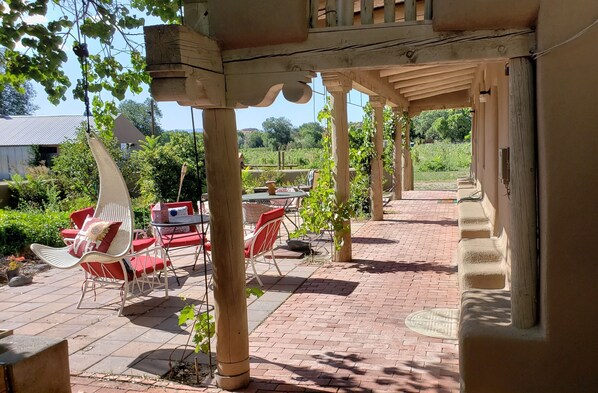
(574, 37)
(82, 53)
(203, 232)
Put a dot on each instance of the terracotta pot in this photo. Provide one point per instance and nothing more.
(271, 187)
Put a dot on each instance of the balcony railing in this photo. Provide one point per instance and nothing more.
(330, 13)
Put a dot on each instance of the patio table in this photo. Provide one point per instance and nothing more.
(261, 197)
(181, 221)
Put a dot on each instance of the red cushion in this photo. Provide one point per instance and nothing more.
(109, 270)
(147, 264)
(182, 239)
(143, 243)
(95, 235)
(69, 233)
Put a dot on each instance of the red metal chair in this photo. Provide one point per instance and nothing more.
(262, 240)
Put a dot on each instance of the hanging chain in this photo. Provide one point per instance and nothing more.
(82, 52)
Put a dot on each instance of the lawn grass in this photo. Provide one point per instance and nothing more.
(438, 180)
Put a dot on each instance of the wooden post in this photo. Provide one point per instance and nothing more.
(398, 157)
(196, 15)
(367, 12)
(346, 12)
(338, 89)
(228, 262)
(313, 13)
(522, 139)
(377, 103)
(407, 165)
(410, 10)
(331, 17)
(428, 10)
(389, 11)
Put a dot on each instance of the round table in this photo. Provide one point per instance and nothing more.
(264, 196)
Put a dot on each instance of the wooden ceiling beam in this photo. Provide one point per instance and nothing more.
(446, 77)
(403, 69)
(438, 92)
(370, 83)
(429, 72)
(435, 86)
(378, 46)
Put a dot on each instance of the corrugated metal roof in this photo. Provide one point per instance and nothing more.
(39, 130)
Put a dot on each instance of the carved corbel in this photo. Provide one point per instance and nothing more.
(336, 83)
(261, 90)
(185, 67)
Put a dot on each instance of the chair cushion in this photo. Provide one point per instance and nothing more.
(143, 243)
(182, 239)
(147, 264)
(95, 235)
(69, 233)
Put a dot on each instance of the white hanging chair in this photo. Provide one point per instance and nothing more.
(114, 204)
(142, 271)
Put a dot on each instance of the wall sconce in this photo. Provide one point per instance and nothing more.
(484, 95)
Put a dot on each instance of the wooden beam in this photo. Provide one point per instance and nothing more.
(377, 103)
(446, 77)
(456, 99)
(313, 13)
(437, 70)
(428, 10)
(429, 87)
(403, 69)
(226, 234)
(438, 92)
(346, 12)
(331, 14)
(369, 83)
(522, 140)
(376, 46)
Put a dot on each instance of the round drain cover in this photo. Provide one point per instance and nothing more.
(436, 322)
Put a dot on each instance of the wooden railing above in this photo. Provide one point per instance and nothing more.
(330, 13)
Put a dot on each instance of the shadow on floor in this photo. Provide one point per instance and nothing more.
(371, 240)
(447, 223)
(379, 267)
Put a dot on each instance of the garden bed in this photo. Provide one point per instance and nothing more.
(29, 267)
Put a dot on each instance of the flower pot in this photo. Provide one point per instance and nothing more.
(12, 273)
(271, 187)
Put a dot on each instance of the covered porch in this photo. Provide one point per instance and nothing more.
(340, 327)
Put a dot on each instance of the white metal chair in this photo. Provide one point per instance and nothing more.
(114, 204)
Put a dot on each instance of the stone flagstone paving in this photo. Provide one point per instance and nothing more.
(341, 330)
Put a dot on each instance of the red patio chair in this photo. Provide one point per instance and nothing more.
(262, 240)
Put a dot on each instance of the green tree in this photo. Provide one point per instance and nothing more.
(140, 114)
(451, 124)
(15, 100)
(309, 135)
(278, 131)
(240, 139)
(112, 30)
(253, 140)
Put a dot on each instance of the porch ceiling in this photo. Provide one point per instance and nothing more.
(434, 86)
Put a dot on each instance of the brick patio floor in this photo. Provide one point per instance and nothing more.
(342, 329)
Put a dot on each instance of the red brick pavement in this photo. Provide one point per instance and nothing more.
(343, 330)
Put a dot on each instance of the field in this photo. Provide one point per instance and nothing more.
(436, 165)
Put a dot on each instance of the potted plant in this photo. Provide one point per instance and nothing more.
(14, 265)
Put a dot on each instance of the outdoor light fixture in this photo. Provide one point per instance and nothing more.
(484, 95)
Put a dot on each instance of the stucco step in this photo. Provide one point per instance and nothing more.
(472, 212)
(470, 192)
(486, 275)
(480, 251)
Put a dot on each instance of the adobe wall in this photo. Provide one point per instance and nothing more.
(567, 103)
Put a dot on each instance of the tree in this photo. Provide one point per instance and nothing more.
(309, 135)
(15, 101)
(451, 124)
(278, 131)
(253, 140)
(140, 115)
(240, 139)
(115, 63)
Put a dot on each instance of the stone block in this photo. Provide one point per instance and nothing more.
(33, 364)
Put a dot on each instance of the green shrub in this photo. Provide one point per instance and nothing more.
(18, 229)
(441, 156)
(36, 190)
